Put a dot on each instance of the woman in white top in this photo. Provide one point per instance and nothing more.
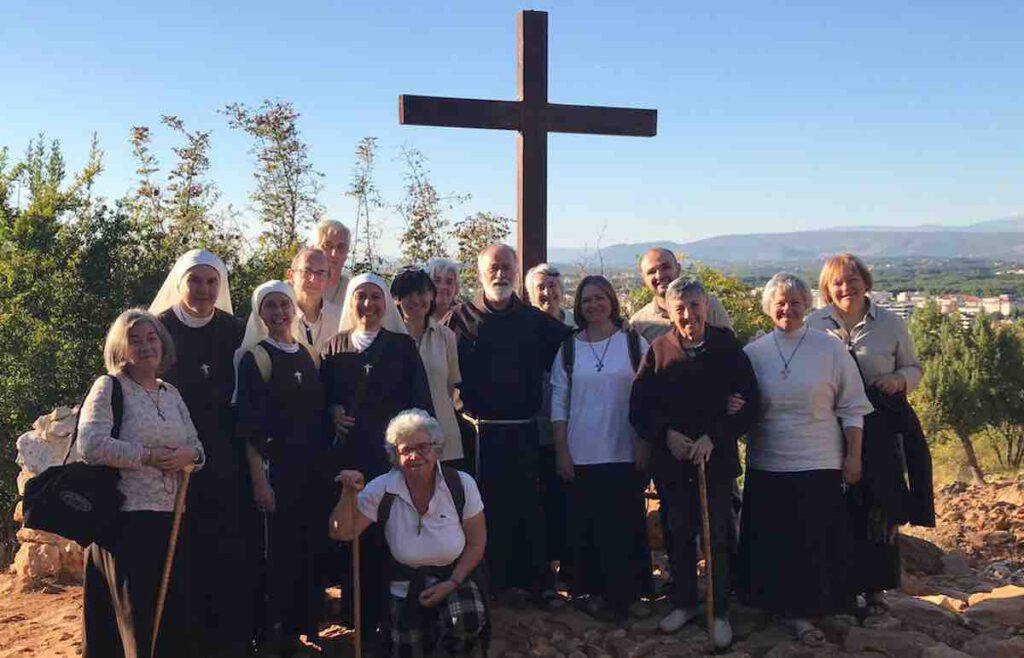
(150, 443)
(802, 452)
(436, 534)
(596, 449)
(415, 294)
(880, 343)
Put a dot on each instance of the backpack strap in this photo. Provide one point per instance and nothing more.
(384, 508)
(454, 482)
(116, 409)
(633, 344)
(569, 357)
(451, 478)
(263, 362)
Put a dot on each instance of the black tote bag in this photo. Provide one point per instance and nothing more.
(78, 501)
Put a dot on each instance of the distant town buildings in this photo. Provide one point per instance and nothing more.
(968, 306)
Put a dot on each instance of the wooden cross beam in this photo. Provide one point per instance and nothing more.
(534, 117)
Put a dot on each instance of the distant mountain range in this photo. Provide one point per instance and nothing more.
(998, 239)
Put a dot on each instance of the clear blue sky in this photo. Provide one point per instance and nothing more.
(772, 115)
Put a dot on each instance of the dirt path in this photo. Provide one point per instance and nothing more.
(45, 623)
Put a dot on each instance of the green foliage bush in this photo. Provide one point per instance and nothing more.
(68, 266)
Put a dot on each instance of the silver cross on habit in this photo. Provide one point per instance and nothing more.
(298, 376)
(206, 370)
(368, 367)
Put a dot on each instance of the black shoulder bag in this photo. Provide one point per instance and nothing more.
(78, 501)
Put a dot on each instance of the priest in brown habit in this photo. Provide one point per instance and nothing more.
(505, 346)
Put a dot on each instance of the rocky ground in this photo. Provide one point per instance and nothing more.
(963, 595)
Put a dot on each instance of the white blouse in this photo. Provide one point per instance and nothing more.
(599, 431)
(436, 539)
(803, 413)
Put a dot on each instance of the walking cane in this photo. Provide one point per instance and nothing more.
(709, 593)
(179, 510)
(357, 608)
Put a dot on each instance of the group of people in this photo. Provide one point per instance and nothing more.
(421, 409)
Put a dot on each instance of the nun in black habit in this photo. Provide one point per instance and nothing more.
(194, 304)
(371, 371)
(281, 416)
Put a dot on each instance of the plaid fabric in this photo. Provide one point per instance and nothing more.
(453, 628)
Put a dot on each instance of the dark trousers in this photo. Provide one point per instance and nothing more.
(121, 588)
(554, 501)
(875, 544)
(508, 485)
(680, 498)
(607, 534)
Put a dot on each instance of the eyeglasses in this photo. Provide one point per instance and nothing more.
(421, 449)
(312, 274)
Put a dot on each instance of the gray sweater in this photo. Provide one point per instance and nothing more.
(802, 414)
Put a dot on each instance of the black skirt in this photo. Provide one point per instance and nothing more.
(608, 534)
(794, 543)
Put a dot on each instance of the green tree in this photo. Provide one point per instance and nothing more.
(287, 184)
(954, 392)
(472, 233)
(739, 299)
(423, 210)
(365, 256)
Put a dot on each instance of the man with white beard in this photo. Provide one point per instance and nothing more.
(505, 347)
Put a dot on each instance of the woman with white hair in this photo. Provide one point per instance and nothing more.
(371, 371)
(802, 452)
(434, 525)
(137, 423)
(334, 239)
(194, 304)
(445, 275)
(282, 421)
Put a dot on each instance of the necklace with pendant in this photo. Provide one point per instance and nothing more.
(154, 400)
(785, 361)
(599, 366)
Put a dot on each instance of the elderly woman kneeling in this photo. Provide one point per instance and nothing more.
(434, 526)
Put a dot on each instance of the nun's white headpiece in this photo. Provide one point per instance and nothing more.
(256, 329)
(392, 320)
(172, 290)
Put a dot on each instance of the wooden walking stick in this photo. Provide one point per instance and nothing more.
(357, 608)
(709, 592)
(179, 510)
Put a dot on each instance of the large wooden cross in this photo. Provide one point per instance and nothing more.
(534, 117)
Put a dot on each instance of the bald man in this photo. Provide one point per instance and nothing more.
(659, 267)
(505, 347)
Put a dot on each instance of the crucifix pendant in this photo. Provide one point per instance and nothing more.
(206, 370)
(785, 372)
(599, 367)
(368, 367)
(298, 376)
